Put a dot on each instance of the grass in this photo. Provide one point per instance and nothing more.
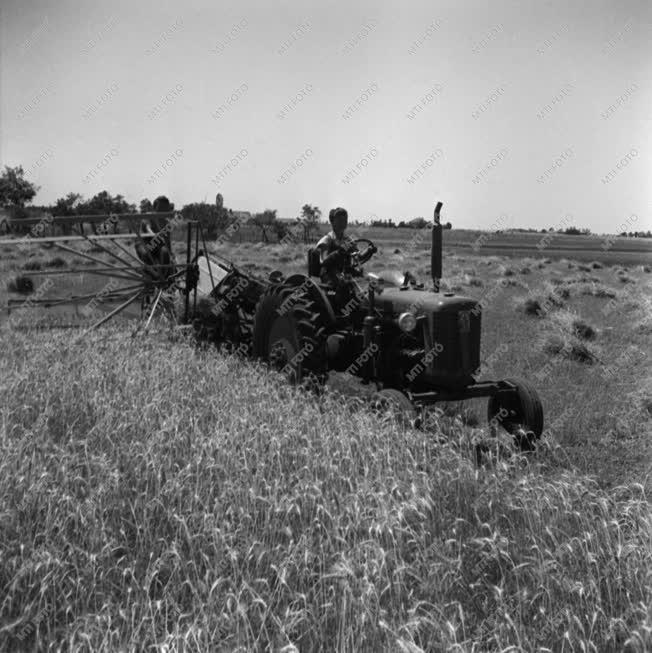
(160, 496)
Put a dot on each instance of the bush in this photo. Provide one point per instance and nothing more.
(564, 334)
(32, 265)
(545, 302)
(596, 290)
(568, 347)
(530, 306)
(21, 284)
(596, 265)
(583, 330)
(56, 262)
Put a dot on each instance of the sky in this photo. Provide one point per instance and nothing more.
(512, 113)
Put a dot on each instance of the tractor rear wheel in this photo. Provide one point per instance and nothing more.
(290, 334)
(519, 412)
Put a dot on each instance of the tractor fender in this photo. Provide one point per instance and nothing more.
(315, 293)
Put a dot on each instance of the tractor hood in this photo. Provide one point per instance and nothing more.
(388, 277)
(420, 302)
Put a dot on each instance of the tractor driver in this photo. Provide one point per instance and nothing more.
(336, 249)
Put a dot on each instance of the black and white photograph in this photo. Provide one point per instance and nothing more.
(326, 326)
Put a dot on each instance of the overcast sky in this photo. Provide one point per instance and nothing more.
(537, 111)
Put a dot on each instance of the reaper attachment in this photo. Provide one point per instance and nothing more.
(121, 278)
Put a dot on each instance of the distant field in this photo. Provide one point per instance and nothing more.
(626, 251)
(611, 250)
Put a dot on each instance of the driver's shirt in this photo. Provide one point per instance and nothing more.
(330, 242)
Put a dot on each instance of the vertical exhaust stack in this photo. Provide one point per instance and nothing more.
(436, 251)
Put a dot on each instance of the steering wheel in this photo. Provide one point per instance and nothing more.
(370, 244)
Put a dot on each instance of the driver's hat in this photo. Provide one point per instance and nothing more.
(336, 213)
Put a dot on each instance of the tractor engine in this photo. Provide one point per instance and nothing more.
(429, 339)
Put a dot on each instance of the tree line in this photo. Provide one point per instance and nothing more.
(16, 193)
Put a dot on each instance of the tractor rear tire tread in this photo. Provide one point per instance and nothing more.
(311, 334)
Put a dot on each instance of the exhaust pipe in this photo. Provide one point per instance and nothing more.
(436, 250)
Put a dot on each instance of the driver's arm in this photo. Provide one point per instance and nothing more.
(322, 247)
(328, 260)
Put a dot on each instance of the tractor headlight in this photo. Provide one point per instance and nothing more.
(407, 322)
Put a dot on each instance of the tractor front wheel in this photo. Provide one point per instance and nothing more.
(519, 411)
(401, 407)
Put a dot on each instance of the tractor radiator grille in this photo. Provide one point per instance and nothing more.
(458, 334)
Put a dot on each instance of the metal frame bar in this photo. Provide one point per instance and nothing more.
(117, 310)
(118, 293)
(210, 271)
(473, 391)
(84, 255)
(108, 251)
(63, 239)
(126, 251)
(188, 239)
(92, 219)
(194, 300)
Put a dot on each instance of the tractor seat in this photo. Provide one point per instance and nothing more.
(314, 262)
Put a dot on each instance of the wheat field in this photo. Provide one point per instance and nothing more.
(161, 495)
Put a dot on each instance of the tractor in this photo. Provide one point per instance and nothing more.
(418, 346)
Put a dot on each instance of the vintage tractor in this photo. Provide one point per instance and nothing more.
(418, 346)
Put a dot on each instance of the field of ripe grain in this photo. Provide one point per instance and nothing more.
(159, 494)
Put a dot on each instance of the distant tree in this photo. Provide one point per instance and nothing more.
(146, 206)
(15, 190)
(212, 219)
(419, 223)
(281, 229)
(103, 203)
(219, 201)
(265, 221)
(571, 231)
(310, 216)
(66, 205)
